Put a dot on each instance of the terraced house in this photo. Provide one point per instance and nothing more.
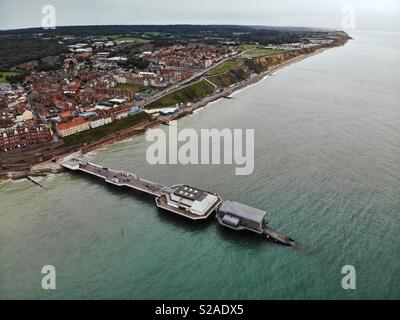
(13, 138)
(72, 127)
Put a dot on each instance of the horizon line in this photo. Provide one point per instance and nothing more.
(173, 24)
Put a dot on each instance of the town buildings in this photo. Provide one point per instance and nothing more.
(93, 87)
(71, 127)
(22, 136)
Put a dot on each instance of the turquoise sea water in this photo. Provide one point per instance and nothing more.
(327, 169)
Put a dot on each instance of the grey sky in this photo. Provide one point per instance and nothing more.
(370, 14)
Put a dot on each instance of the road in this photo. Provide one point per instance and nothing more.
(182, 84)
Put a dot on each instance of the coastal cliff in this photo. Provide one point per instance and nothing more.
(267, 62)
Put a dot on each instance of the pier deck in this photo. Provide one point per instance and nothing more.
(278, 237)
(187, 201)
(184, 200)
(118, 178)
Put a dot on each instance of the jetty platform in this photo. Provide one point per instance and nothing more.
(185, 200)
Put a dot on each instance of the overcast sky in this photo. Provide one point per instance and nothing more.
(369, 14)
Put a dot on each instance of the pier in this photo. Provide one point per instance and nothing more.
(188, 201)
(185, 200)
(118, 178)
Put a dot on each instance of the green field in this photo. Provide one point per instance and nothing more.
(127, 38)
(196, 91)
(157, 34)
(261, 52)
(98, 133)
(118, 38)
(248, 46)
(227, 65)
(153, 34)
(133, 87)
(3, 76)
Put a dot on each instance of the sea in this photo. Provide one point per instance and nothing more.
(327, 171)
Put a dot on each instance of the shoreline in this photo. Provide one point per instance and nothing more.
(50, 167)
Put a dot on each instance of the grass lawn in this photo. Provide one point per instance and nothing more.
(122, 38)
(246, 46)
(3, 76)
(133, 87)
(261, 52)
(227, 65)
(127, 38)
(100, 132)
(153, 34)
(190, 93)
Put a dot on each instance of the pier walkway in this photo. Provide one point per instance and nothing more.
(118, 178)
(278, 237)
(188, 201)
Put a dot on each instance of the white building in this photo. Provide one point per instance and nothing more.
(75, 126)
(95, 123)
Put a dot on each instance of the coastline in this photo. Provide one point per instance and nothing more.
(52, 167)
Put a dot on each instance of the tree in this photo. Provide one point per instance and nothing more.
(14, 79)
(137, 63)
